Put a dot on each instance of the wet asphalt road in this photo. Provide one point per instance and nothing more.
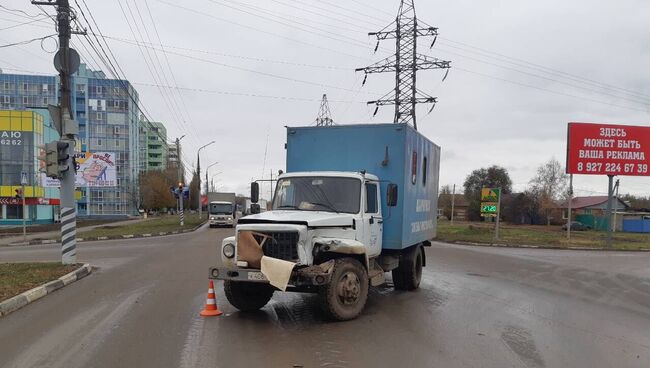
(477, 307)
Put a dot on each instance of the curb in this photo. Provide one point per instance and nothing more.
(112, 237)
(29, 296)
(525, 246)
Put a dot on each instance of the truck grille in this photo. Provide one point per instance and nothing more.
(281, 245)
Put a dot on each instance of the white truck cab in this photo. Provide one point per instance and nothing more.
(320, 222)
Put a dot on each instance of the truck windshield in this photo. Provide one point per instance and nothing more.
(220, 209)
(332, 194)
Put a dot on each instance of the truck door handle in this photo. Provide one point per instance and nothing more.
(380, 221)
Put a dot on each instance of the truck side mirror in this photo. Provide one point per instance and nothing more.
(255, 192)
(391, 195)
(255, 208)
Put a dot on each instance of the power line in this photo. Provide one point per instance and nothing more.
(319, 32)
(344, 15)
(646, 102)
(532, 86)
(171, 71)
(546, 90)
(19, 24)
(542, 68)
(272, 75)
(6, 9)
(536, 68)
(309, 21)
(26, 41)
(244, 94)
(108, 63)
(521, 62)
(157, 65)
(154, 71)
(203, 13)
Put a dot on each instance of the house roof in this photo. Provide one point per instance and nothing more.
(582, 202)
(459, 199)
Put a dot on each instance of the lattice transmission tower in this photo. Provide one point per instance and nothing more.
(405, 64)
(324, 117)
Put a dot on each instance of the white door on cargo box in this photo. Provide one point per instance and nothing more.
(372, 220)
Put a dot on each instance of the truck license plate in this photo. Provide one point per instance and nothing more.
(256, 276)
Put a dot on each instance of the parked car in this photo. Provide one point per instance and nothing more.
(577, 226)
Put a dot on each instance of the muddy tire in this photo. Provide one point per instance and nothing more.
(408, 274)
(247, 296)
(345, 296)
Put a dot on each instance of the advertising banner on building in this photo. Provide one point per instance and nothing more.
(604, 149)
(93, 170)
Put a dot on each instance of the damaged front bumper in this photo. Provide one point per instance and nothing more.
(300, 276)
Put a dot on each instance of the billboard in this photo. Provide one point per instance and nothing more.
(605, 149)
(93, 170)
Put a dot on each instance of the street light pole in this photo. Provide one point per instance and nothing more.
(207, 189)
(198, 174)
(180, 179)
(214, 188)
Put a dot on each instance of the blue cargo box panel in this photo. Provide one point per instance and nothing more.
(395, 153)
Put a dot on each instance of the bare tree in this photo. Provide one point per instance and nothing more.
(549, 186)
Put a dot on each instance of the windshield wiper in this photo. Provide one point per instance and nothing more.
(329, 207)
(287, 206)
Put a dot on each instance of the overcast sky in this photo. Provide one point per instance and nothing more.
(239, 76)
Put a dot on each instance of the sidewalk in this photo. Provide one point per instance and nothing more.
(56, 234)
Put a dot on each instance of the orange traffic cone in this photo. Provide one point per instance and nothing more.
(211, 304)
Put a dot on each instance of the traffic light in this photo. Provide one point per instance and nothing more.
(62, 156)
(51, 160)
(56, 158)
(19, 193)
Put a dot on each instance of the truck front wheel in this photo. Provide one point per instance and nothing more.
(346, 294)
(408, 274)
(247, 296)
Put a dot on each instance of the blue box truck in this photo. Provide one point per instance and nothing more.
(356, 202)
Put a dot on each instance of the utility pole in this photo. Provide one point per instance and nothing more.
(405, 64)
(453, 198)
(568, 221)
(616, 207)
(180, 181)
(23, 182)
(198, 174)
(610, 192)
(496, 229)
(66, 62)
(324, 117)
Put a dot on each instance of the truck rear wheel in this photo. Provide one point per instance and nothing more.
(247, 296)
(346, 294)
(408, 274)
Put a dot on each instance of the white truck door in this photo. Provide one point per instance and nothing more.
(372, 220)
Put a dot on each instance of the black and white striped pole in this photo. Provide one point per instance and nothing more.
(66, 62)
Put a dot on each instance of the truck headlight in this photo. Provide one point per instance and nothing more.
(212, 218)
(229, 218)
(229, 250)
